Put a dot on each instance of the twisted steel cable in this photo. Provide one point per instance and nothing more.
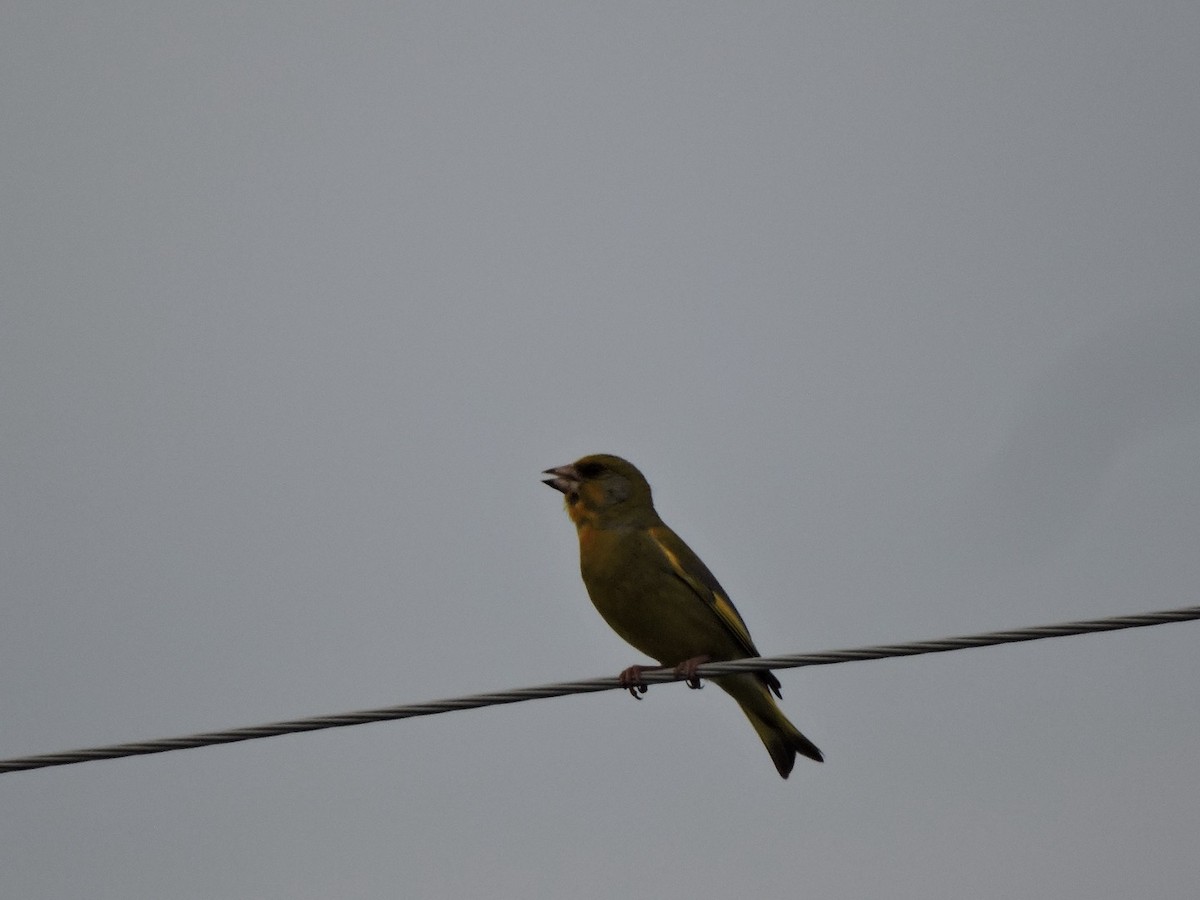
(519, 695)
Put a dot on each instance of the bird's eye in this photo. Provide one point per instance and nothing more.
(590, 469)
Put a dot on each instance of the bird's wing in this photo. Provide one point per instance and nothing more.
(692, 571)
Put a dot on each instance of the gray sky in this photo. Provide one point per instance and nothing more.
(896, 305)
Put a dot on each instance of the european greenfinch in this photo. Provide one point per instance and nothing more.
(657, 594)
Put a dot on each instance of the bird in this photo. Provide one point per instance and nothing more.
(658, 595)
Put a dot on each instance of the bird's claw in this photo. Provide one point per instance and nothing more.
(687, 671)
(631, 680)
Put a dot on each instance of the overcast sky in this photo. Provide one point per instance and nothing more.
(896, 305)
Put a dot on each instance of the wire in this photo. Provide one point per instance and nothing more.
(594, 685)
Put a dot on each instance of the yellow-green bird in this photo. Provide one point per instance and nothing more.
(656, 594)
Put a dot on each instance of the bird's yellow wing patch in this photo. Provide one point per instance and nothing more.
(706, 588)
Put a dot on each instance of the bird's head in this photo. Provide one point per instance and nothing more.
(603, 489)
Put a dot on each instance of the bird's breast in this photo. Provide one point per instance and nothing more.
(601, 554)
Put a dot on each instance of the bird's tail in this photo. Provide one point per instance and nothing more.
(783, 740)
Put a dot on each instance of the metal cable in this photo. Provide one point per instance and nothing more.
(593, 685)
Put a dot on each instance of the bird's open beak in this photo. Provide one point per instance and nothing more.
(565, 479)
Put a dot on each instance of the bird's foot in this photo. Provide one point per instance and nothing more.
(687, 671)
(631, 680)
